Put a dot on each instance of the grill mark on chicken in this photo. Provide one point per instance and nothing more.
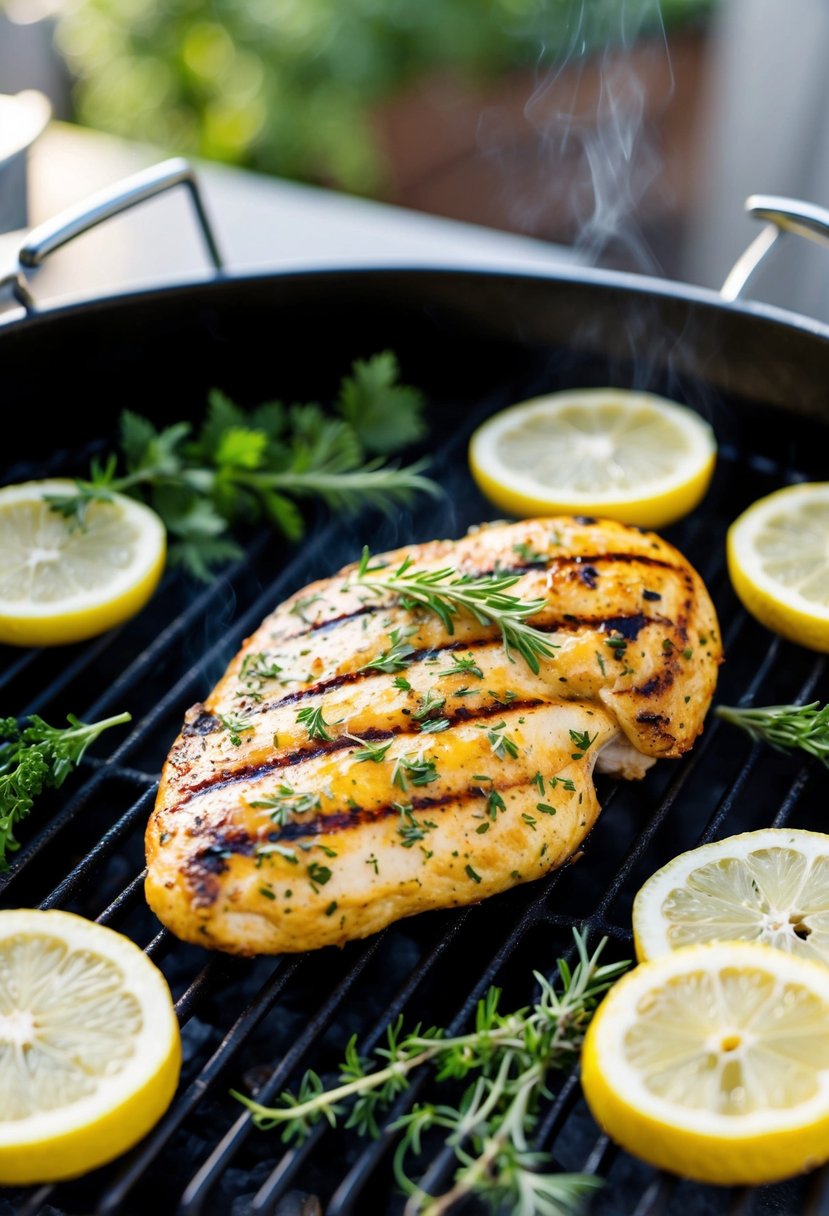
(211, 861)
(252, 772)
(339, 821)
(586, 561)
(628, 626)
(217, 874)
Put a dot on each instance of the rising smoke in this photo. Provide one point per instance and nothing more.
(594, 111)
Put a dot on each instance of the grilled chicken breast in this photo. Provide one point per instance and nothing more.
(358, 763)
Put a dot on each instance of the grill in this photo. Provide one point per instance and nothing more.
(257, 1024)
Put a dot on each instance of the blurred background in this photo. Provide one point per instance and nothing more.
(629, 130)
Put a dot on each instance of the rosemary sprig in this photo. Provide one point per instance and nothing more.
(784, 727)
(446, 593)
(368, 749)
(505, 1062)
(37, 757)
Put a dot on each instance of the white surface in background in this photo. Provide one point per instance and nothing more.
(22, 118)
(260, 223)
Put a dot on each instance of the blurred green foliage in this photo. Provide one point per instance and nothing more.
(288, 86)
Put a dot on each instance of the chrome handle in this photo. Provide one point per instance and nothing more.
(782, 215)
(46, 238)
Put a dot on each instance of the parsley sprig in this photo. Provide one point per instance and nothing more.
(38, 757)
(242, 466)
(784, 727)
(445, 593)
(505, 1061)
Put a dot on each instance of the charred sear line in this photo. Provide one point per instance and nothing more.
(628, 626)
(655, 685)
(341, 821)
(203, 869)
(657, 724)
(595, 559)
(203, 723)
(251, 772)
(584, 560)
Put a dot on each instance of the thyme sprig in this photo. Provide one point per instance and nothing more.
(446, 593)
(36, 757)
(286, 802)
(505, 1061)
(785, 727)
(397, 655)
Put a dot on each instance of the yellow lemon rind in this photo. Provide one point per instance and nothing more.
(779, 1150)
(650, 937)
(657, 509)
(38, 1149)
(787, 615)
(31, 624)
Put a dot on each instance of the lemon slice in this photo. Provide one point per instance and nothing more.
(628, 456)
(770, 886)
(60, 582)
(778, 559)
(713, 1062)
(89, 1045)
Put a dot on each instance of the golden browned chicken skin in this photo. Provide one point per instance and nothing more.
(268, 836)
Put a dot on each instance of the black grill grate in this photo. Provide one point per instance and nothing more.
(259, 1022)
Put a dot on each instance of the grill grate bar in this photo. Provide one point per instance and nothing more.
(78, 876)
(795, 793)
(123, 901)
(817, 1200)
(602, 1152)
(50, 830)
(293, 1158)
(225, 1151)
(197, 989)
(66, 675)
(33, 1204)
(135, 776)
(756, 750)
(160, 944)
(17, 666)
(656, 1198)
(215, 592)
(283, 972)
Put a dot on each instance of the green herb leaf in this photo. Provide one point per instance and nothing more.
(312, 718)
(784, 727)
(444, 592)
(243, 467)
(36, 757)
(385, 415)
(504, 1066)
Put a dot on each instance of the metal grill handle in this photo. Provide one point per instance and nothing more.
(138, 188)
(782, 215)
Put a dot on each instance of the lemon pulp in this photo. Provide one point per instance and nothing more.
(713, 1062)
(89, 1045)
(770, 886)
(630, 456)
(61, 582)
(778, 559)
